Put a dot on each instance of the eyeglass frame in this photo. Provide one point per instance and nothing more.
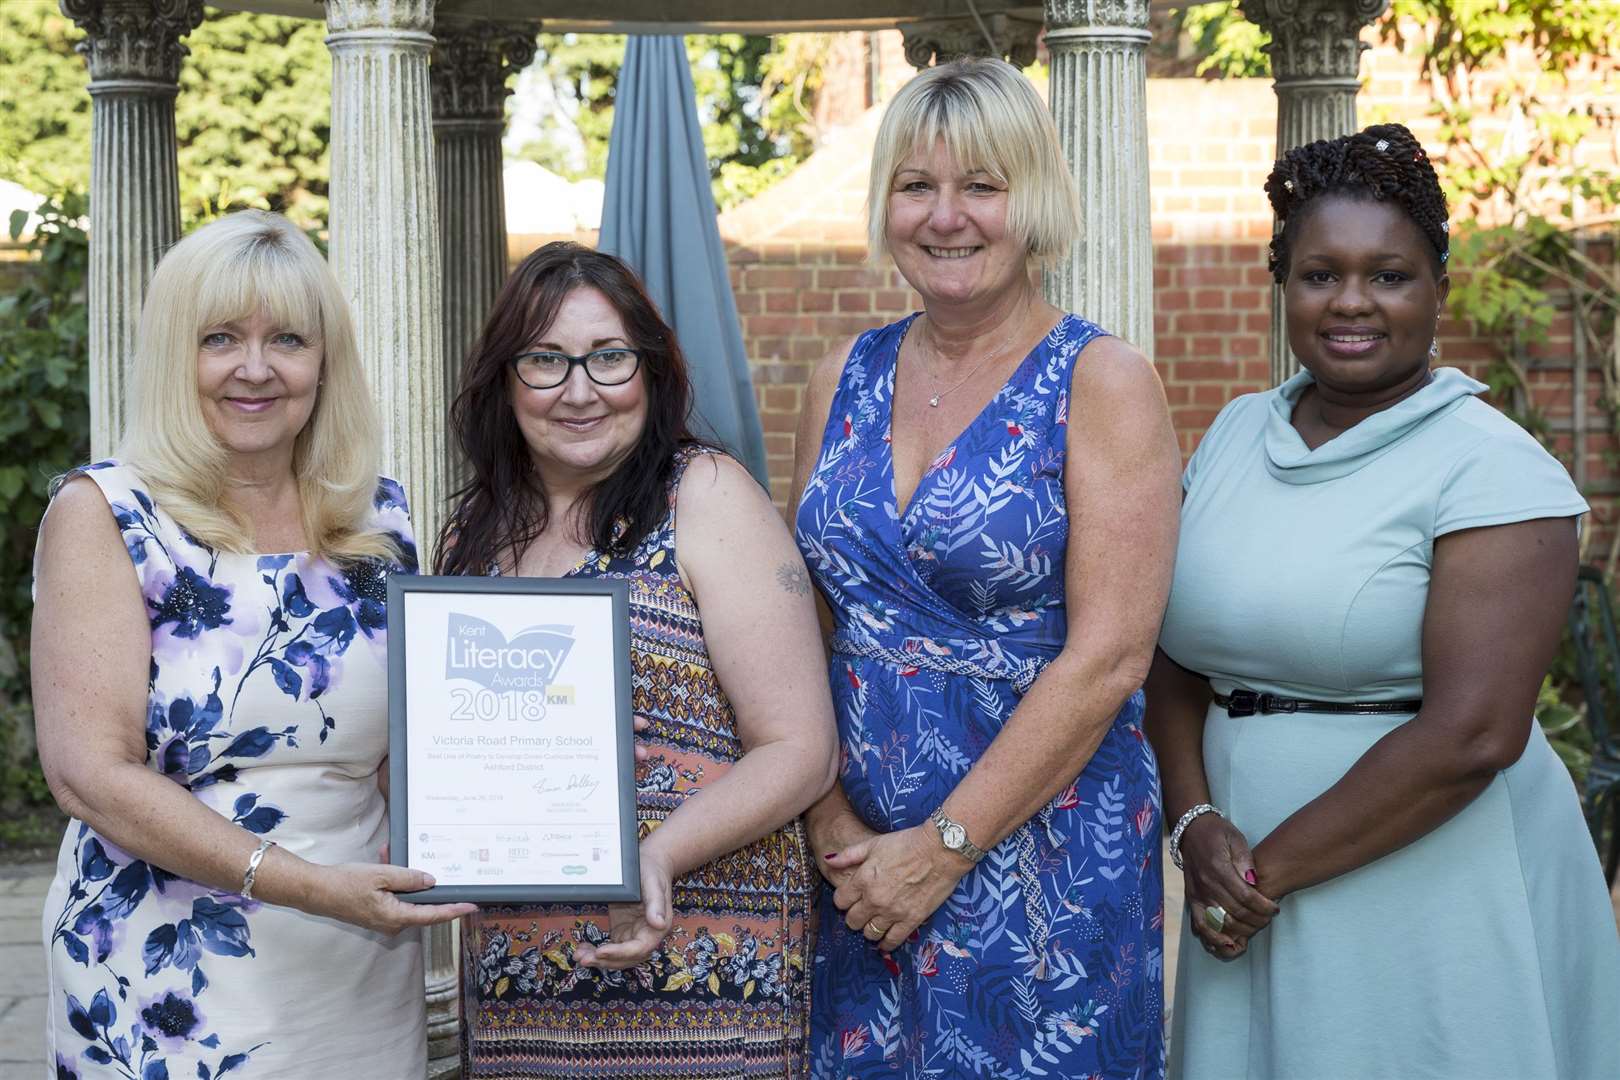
(581, 362)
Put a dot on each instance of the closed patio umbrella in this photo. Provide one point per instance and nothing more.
(658, 215)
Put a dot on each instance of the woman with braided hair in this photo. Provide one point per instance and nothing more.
(1384, 860)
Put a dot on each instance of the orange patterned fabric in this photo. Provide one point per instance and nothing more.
(726, 995)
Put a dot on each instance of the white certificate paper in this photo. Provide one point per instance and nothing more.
(514, 754)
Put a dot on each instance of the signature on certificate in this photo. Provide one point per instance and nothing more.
(583, 785)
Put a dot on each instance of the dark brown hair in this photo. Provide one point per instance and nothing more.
(503, 504)
(1384, 162)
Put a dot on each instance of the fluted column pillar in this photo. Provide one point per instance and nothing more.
(133, 51)
(385, 231)
(471, 65)
(1098, 97)
(1315, 54)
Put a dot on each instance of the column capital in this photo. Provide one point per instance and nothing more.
(1314, 39)
(939, 41)
(471, 64)
(351, 16)
(133, 40)
(1096, 14)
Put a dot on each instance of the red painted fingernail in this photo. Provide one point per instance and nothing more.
(1248, 875)
(830, 855)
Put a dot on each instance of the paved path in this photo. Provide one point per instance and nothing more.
(22, 970)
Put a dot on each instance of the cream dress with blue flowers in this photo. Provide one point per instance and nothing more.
(267, 701)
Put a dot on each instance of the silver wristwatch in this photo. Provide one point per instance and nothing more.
(955, 837)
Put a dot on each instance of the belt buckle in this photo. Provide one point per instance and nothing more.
(1242, 703)
(1272, 703)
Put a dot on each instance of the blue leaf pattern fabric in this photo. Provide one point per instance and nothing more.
(1047, 960)
(155, 976)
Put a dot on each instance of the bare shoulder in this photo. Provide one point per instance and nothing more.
(824, 376)
(79, 519)
(1111, 373)
(717, 490)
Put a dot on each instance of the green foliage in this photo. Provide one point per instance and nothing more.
(44, 429)
(252, 118)
(44, 104)
(1231, 46)
(752, 95)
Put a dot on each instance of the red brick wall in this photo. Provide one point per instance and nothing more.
(802, 285)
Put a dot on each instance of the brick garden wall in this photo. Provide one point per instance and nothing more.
(803, 287)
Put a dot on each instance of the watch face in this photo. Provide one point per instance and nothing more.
(953, 835)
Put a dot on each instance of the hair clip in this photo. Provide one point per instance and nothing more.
(1288, 184)
(1445, 227)
(1445, 256)
(1381, 145)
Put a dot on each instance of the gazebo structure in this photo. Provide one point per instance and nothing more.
(417, 229)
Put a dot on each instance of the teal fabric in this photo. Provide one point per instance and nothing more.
(658, 215)
(1485, 949)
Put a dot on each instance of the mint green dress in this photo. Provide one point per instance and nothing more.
(1487, 948)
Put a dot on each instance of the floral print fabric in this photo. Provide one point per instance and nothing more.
(266, 702)
(1047, 960)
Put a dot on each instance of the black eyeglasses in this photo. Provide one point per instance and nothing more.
(604, 367)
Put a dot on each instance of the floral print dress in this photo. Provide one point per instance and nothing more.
(724, 996)
(1047, 959)
(267, 702)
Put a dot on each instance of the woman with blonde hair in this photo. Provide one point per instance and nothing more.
(986, 497)
(214, 722)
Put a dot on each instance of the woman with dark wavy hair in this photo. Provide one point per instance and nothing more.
(572, 418)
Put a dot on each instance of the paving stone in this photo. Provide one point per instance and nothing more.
(20, 931)
(22, 1038)
(22, 971)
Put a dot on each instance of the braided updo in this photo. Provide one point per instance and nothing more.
(1384, 162)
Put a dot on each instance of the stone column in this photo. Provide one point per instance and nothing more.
(938, 41)
(1315, 54)
(1098, 97)
(133, 50)
(471, 64)
(385, 232)
(385, 252)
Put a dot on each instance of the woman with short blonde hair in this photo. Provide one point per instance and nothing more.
(209, 661)
(986, 497)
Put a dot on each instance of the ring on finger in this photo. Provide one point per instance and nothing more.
(874, 931)
(1215, 917)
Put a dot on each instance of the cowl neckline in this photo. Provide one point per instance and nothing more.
(1288, 458)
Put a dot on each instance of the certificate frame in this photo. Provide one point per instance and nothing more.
(473, 595)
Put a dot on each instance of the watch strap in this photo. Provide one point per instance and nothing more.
(967, 848)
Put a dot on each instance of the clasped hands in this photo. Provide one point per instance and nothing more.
(1219, 869)
(888, 884)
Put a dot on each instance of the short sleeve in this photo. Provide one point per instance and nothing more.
(1207, 445)
(1504, 478)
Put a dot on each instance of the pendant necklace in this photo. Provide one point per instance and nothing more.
(934, 400)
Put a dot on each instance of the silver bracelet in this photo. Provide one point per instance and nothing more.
(253, 868)
(1181, 826)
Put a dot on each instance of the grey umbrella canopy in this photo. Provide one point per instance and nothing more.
(658, 215)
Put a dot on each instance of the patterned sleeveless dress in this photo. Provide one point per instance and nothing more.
(725, 997)
(1047, 959)
(268, 703)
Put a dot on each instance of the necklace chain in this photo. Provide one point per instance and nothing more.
(933, 400)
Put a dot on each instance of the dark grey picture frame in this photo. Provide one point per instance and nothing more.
(400, 588)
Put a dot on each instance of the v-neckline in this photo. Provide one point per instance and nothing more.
(901, 515)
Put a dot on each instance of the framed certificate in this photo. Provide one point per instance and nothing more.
(510, 741)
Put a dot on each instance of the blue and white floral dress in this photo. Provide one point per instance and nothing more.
(267, 702)
(1047, 959)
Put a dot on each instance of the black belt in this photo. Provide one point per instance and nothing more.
(1247, 703)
